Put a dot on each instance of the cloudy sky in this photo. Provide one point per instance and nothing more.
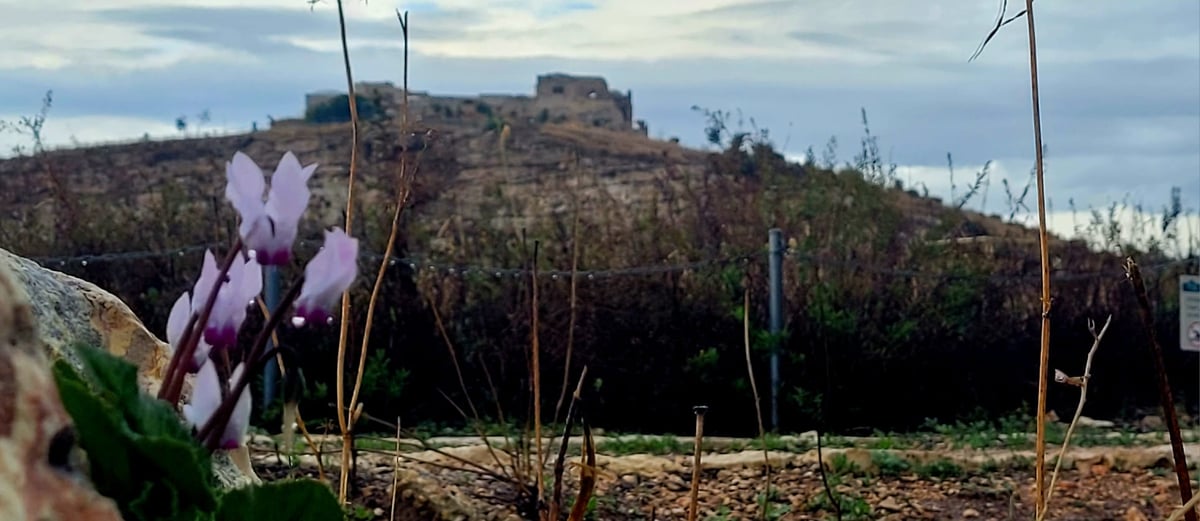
(1120, 80)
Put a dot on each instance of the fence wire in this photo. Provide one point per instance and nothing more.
(419, 262)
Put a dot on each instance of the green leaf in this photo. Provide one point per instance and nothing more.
(141, 454)
(98, 425)
(298, 500)
(109, 374)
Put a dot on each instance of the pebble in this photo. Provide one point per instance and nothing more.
(890, 503)
(1133, 514)
(969, 513)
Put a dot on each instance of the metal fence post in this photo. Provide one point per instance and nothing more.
(271, 370)
(775, 305)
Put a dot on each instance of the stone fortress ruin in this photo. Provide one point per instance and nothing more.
(558, 98)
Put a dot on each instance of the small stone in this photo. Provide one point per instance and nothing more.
(970, 513)
(675, 483)
(890, 503)
(1152, 423)
(378, 511)
(1133, 514)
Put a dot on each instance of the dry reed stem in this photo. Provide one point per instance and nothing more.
(1083, 387)
(1044, 247)
(1185, 509)
(762, 432)
(560, 462)
(375, 290)
(1164, 386)
(344, 332)
(587, 475)
(537, 378)
(316, 447)
(395, 472)
(697, 449)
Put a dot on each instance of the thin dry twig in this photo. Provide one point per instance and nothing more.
(1083, 387)
(1000, 22)
(573, 301)
(1164, 386)
(475, 420)
(762, 432)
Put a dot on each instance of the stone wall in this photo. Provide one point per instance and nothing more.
(559, 98)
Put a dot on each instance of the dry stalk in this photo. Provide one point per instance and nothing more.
(474, 419)
(560, 462)
(469, 466)
(1083, 387)
(1044, 246)
(346, 419)
(762, 433)
(587, 474)
(537, 378)
(316, 447)
(1185, 509)
(344, 331)
(395, 471)
(1043, 242)
(694, 495)
(1164, 387)
(287, 429)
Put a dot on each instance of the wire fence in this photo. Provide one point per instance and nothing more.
(420, 262)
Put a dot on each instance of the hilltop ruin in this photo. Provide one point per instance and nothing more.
(558, 98)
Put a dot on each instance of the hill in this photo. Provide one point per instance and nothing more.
(933, 306)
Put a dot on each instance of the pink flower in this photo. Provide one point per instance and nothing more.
(242, 284)
(269, 227)
(327, 276)
(206, 397)
(181, 312)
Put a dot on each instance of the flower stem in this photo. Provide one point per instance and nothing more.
(209, 434)
(176, 369)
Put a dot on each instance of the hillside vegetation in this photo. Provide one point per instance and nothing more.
(898, 307)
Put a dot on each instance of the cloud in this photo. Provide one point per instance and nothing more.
(1118, 80)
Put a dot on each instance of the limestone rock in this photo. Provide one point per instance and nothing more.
(637, 464)
(1084, 421)
(749, 458)
(70, 312)
(37, 479)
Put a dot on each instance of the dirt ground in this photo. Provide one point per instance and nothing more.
(432, 491)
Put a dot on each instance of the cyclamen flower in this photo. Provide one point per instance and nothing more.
(206, 397)
(237, 292)
(181, 312)
(268, 228)
(327, 276)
